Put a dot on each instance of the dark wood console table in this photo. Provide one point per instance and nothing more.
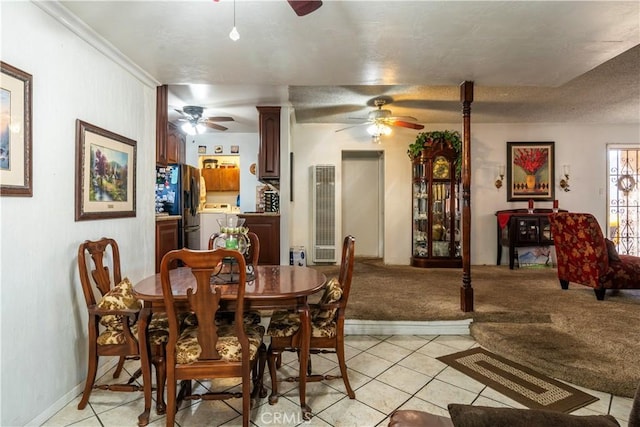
(519, 228)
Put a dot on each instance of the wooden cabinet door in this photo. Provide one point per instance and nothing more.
(166, 239)
(269, 149)
(222, 179)
(211, 179)
(175, 144)
(230, 179)
(162, 118)
(267, 228)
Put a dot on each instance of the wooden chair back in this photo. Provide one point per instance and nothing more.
(346, 273)
(94, 259)
(204, 300)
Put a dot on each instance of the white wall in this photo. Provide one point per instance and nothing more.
(581, 146)
(43, 313)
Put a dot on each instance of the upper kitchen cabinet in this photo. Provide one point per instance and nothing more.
(269, 150)
(176, 142)
(162, 118)
(170, 142)
(222, 179)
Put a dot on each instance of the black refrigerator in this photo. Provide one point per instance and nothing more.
(181, 196)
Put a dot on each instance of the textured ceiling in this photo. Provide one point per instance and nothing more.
(530, 61)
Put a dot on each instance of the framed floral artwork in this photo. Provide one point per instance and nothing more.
(105, 174)
(530, 167)
(16, 158)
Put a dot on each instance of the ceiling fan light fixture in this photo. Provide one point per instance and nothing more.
(188, 129)
(193, 128)
(378, 129)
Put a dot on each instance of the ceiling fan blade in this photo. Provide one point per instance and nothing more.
(219, 119)
(214, 126)
(405, 124)
(403, 118)
(180, 111)
(304, 7)
(354, 126)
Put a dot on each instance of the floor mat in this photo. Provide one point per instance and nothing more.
(524, 385)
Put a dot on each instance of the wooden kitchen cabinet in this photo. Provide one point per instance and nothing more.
(162, 118)
(170, 141)
(267, 228)
(269, 149)
(222, 179)
(166, 239)
(176, 142)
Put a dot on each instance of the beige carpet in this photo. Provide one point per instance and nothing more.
(520, 314)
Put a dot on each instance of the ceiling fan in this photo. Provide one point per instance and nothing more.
(380, 120)
(304, 7)
(195, 123)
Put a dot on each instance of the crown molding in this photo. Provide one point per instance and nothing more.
(86, 33)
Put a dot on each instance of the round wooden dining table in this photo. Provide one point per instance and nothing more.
(272, 287)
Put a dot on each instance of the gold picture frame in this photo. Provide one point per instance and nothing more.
(530, 167)
(16, 157)
(105, 174)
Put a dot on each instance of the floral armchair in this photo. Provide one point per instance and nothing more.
(586, 257)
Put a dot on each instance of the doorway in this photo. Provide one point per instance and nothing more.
(623, 207)
(363, 200)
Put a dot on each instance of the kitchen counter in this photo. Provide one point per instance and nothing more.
(260, 214)
(167, 217)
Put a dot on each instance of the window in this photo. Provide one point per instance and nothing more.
(623, 211)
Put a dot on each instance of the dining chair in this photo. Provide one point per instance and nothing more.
(114, 318)
(327, 326)
(206, 348)
(251, 256)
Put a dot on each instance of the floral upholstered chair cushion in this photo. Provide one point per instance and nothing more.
(323, 320)
(119, 298)
(188, 348)
(321, 317)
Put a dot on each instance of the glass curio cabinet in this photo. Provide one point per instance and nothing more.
(436, 208)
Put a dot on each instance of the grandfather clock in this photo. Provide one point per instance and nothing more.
(436, 232)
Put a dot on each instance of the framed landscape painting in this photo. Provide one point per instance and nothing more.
(105, 174)
(15, 132)
(530, 167)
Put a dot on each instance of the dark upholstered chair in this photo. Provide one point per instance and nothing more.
(113, 319)
(327, 325)
(483, 416)
(585, 258)
(201, 348)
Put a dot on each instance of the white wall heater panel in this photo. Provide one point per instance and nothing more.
(323, 213)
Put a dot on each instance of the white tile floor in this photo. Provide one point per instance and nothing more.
(386, 372)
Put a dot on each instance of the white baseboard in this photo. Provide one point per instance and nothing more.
(406, 327)
(68, 397)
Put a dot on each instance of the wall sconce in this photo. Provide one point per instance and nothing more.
(500, 177)
(564, 182)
